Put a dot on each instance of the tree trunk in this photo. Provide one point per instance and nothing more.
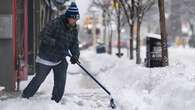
(110, 41)
(163, 33)
(131, 41)
(119, 54)
(138, 58)
(119, 37)
(104, 24)
(131, 30)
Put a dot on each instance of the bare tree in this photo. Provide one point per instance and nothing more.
(121, 21)
(110, 40)
(118, 14)
(129, 10)
(163, 33)
(142, 6)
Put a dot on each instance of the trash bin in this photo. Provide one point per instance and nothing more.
(153, 51)
(192, 41)
(100, 48)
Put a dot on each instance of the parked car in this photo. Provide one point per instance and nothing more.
(123, 43)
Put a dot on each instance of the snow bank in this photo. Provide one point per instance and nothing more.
(134, 87)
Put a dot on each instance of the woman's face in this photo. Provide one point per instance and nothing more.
(72, 21)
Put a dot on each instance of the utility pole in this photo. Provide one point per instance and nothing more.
(163, 33)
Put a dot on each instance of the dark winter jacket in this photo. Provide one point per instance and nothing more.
(57, 38)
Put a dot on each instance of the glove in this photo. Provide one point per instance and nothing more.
(73, 60)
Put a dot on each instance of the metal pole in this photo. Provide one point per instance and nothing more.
(26, 31)
(26, 38)
(14, 34)
(78, 63)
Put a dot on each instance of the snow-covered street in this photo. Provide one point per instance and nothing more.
(134, 87)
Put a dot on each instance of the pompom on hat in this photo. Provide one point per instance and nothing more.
(72, 12)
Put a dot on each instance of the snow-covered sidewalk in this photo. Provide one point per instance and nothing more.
(134, 87)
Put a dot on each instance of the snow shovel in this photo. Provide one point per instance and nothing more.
(112, 104)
